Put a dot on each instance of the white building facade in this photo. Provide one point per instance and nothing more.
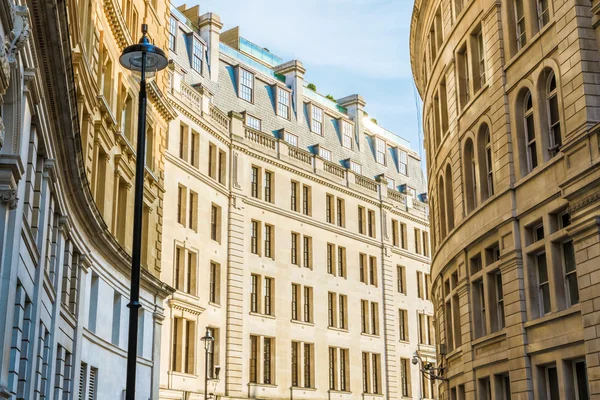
(296, 233)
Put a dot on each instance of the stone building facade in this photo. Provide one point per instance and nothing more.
(66, 162)
(510, 94)
(295, 233)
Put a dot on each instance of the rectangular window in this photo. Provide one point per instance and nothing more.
(364, 312)
(329, 208)
(254, 182)
(254, 225)
(373, 271)
(222, 167)
(308, 355)
(246, 89)
(376, 377)
(331, 309)
(463, 76)
(570, 271)
(332, 368)
(330, 256)
(192, 212)
(198, 52)
(181, 201)
(480, 306)
(325, 154)
(543, 284)
(215, 277)
(307, 252)
(401, 277)
(417, 241)
(362, 259)
(295, 301)
(420, 285)
(295, 369)
(347, 135)
(371, 222)
(405, 384)
(254, 286)
(291, 139)
(520, 24)
(391, 184)
(361, 220)
(500, 301)
(550, 380)
(374, 319)
(269, 234)
(294, 195)
(403, 158)
(365, 372)
(215, 222)
(267, 361)
(403, 237)
(481, 58)
(356, 167)
(307, 304)
(342, 306)
(380, 148)
(581, 380)
(268, 182)
(425, 244)
(283, 103)
(212, 161)
(317, 120)
(403, 325)
(294, 249)
(306, 206)
(543, 13)
(268, 295)
(341, 261)
(395, 234)
(254, 359)
(172, 33)
(340, 212)
(253, 122)
(344, 370)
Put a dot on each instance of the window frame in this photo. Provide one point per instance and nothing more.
(197, 59)
(286, 105)
(248, 77)
(317, 115)
(347, 140)
(248, 118)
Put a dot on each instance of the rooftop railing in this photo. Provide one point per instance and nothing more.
(260, 53)
(384, 133)
(324, 101)
(244, 59)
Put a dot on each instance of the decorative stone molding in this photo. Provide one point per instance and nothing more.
(592, 198)
(9, 196)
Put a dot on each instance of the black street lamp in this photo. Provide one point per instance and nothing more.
(146, 59)
(208, 341)
(427, 369)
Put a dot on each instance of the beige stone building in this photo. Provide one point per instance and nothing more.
(294, 230)
(510, 92)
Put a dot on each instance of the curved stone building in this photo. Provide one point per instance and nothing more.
(510, 91)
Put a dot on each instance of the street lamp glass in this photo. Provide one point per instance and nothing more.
(132, 57)
(207, 339)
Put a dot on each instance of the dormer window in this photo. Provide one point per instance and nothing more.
(197, 52)
(346, 134)
(291, 139)
(253, 122)
(380, 150)
(403, 162)
(172, 33)
(316, 123)
(391, 184)
(411, 192)
(325, 154)
(246, 85)
(356, 167)
(283, 103)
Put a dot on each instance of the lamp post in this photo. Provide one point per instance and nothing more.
(146, 59)
(427, 369)
(208, 341)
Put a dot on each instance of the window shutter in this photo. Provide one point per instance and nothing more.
(82, 372)
(92, 384)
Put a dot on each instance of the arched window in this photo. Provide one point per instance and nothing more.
(484, 153)
(470, 176)
(449, 199)
(529, 126)
(555, 138)
(442, 208)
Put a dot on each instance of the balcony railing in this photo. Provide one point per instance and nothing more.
(219, 117)
(244, 59)
(260, 138)
(366, 182)
(300, 155)
(396, 196)
(191, 97)
(334, 169)
(324, 101)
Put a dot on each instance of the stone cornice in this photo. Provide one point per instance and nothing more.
(160, 102)
(117, 23)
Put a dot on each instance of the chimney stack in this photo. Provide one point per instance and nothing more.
(355, 105)
(210, 30)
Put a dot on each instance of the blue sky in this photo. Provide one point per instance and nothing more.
(346, 46)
